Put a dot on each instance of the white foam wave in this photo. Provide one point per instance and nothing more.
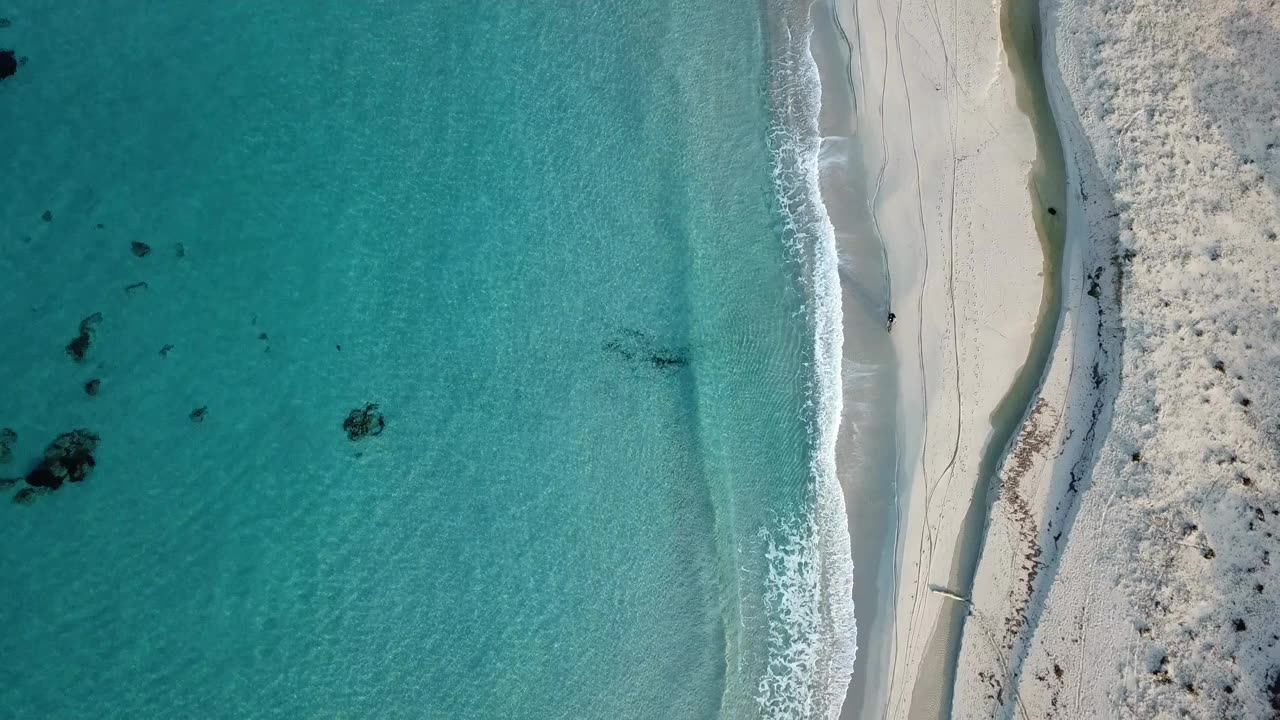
(812, 634)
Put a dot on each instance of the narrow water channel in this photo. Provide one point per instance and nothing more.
(1020, 27)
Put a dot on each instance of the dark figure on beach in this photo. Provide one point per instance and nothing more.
(888, 325)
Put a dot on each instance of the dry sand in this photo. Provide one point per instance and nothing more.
(922, 105)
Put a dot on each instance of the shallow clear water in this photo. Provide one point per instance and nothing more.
(545, 238)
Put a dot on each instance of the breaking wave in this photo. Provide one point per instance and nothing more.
(812, 634)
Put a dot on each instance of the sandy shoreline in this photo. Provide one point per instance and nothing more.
(1126, 562)
(935, 184)
(865, 453)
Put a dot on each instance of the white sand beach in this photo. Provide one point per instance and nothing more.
(1125, 567)
(938, 177)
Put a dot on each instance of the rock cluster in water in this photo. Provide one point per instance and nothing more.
(79, 346)
(139, 249)
(69, 458)
(364, 422)
(8, 64)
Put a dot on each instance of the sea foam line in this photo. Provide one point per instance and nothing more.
(812, 635)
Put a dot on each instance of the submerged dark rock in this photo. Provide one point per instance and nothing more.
(364, 422)
(198, 415)
(164, 351)
(8, 482)
(69, 458)
(7, 439)
(8, 64)
(79, 346)
(91, 387)
(47, 216)
(5, 22)
(139, 249)
(134, 289)
(28, 495)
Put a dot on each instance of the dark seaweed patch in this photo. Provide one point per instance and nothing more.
(7, 439)
(641, 348)
(364, 422)
(79, 345)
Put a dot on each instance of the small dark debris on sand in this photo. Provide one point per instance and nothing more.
(79, 346)
(100, 226)
(8, 64)
(91, 387)
(7, 439)
(199, 413)
(364, 422)
(69, 458)
(134, 289)
(47, 216)
(1053, 211)
(139, 249)
(263, 336)
(164, 351)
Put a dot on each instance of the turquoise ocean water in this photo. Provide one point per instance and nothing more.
(571, 251)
